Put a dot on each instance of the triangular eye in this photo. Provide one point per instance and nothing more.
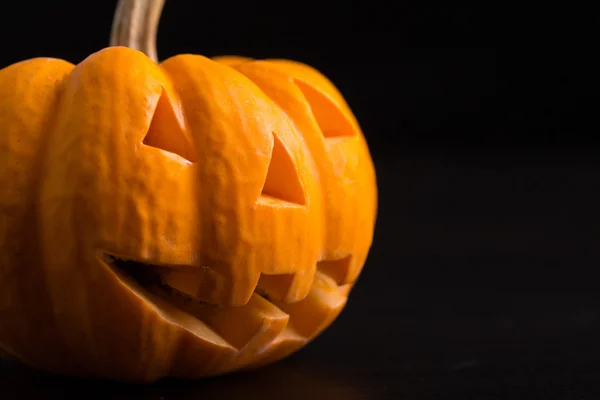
(167, 130)
(282, 181)
(332, 121)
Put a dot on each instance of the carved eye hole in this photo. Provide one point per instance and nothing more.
(332, 121)
(282, 181)
(167, 130)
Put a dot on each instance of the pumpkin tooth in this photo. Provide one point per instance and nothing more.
(275, 286)
(337, 269)
(283, 345)
(247, 328)
(250, 327)
(311, 315)
(308, 318)
(288, 288)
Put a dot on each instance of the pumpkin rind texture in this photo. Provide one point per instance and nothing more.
(241, 192)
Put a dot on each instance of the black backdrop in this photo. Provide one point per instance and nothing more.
(481, 279)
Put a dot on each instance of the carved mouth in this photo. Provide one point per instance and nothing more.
(150, 277)
(258, 332)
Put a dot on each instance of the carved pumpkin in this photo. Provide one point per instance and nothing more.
(184, 219)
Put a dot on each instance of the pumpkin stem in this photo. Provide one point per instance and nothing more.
(135, 25)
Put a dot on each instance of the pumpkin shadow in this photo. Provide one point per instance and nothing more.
(287, 379)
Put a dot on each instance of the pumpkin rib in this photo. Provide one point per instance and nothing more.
(344, 261)
(289, 189)
(30, 90)
(320, 93)
(332, 271)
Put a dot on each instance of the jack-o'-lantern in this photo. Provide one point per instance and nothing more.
(187, 218)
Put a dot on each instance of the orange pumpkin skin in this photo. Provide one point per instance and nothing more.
(246, 186)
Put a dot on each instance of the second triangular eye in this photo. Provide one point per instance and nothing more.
(167, 130)
(332, 121)
(282, 181)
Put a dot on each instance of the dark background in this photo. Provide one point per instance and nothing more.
(482, 276)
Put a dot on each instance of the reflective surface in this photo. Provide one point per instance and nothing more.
(481, 284)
